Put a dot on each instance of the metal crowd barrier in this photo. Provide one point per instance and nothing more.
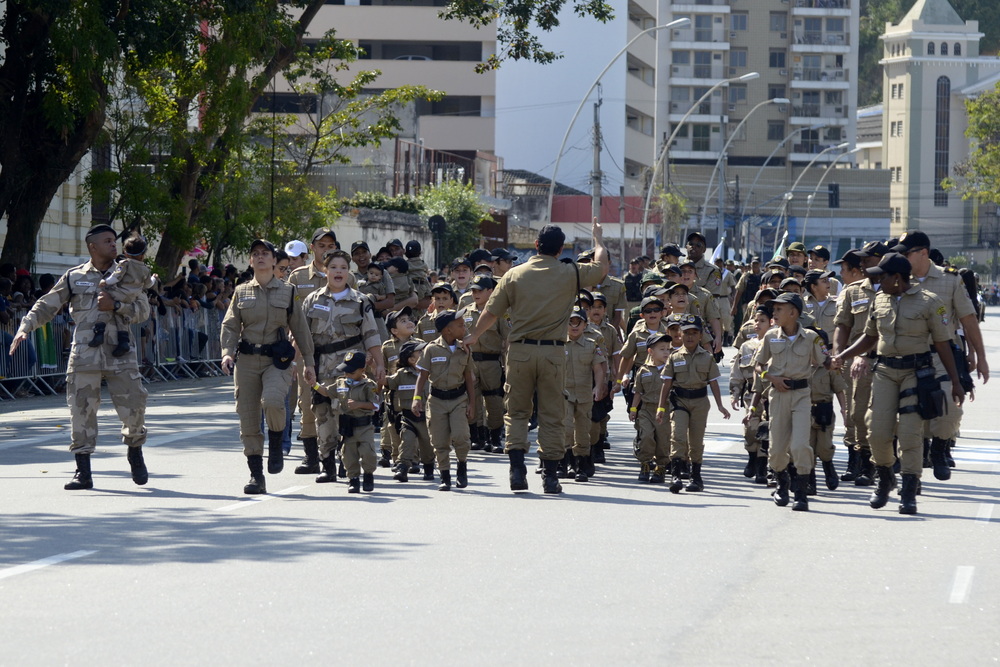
(170, 345)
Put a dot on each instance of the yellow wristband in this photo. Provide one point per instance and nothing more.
(659, 410)
(763, 375)
(316, 386)
(753, 410)
(618, 381)
(418, 398)
(633, 409)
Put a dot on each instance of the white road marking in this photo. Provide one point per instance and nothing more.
(44, 562)
(37, 439)
(259, 499)
(985, 512)
(962, 583)
(182, 435)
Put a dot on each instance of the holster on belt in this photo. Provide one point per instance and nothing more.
(962, 364)
(822, 414)
(931, 402)
(345, 426)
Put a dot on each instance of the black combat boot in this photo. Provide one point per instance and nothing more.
(947, 453)
(830, 473)
(563, 466)
(589, 469)
(518, 471)
(82, 479)
(581, 469)
(886, 482)
(98, 338)
(939, 448)
(908, 494)
(445, 484)
(597, 452)
(927, 453)
(414, 468)
(310, 462)
(696, 484)
(605, 443)
(275, 452)
(135, 461)
(751, 467)
(853, 460)
(676, 483)
(123, 347)
(866, 469)
(780, 493)
(644, 472)
(685, 469)
(550, 481)
(368, 482)
(428, 472)
(659, 475)
(384, 461)
(760, 473)
(256, 486)
(462, 474)
(801, 503)
(496, 441)
(811, 485)
(354, 485)
(476, 436)
(329, 474)
(403, 474)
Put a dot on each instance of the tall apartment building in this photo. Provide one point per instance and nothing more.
(804, 50)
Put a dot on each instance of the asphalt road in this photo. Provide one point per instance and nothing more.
(187, 570)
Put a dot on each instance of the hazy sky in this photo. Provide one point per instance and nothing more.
(536, 102)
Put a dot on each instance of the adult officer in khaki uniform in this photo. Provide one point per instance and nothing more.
(306, 280)
(613, 290)
(915, 246)
(89, 365)
(260, 307)
(538, 296)
(709, 275)
(902, 319)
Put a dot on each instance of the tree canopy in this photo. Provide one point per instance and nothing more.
(979, 176)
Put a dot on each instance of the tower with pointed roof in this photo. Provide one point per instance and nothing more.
(932, 65)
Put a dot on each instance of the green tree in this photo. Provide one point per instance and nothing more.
(462, 210)
(979, 175)
(674, 213)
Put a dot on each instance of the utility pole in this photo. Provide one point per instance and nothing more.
(621, 226)
(595, 175)
(721, 224)
(737, 220)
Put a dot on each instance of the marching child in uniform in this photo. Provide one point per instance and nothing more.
(687, 375)
(359, 400)
(128, 281)
(586, 382)
(741, 387)
(652, 440)
(611, 347)
(823, 385)
(633, 353)
(401, 327)
(450, 406)
(486, 357)
(414, 440)
(443, 298)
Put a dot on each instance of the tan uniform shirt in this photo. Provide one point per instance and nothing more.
(356, 390)
(445, 367)
(854, 307)
(903, 324)
(390, 352)
(403, 384)
(79, 288)
(583, 356)
(691, 370)
(611, 343)
(334, 320)
(402, 284)
(306, 280)
(951, 290)
(426, 329)
(702, 303)
(710, 277)
(387, 286)
(539, 295)
(128, 279)
(648, 383)
(742, 372)
(824, 385)
(257, 312)
(824, 313)
(792, 359)
(493, 339)
(635, 344)
(614, 290)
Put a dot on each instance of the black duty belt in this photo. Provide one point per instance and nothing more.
(532, 341)
(359, 422)
(330, 348)
(720, 296)
(485, 356)
(447, 394)
(249, 348)
(909, 361)
(690, 393)
(797, 384)
(412, 417)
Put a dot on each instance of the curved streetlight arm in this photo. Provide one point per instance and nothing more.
(791, 193)
(826, 173)
(746, 201)
(722, 155)
(673, 135)
(562, 146)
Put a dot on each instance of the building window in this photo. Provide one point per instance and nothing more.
(944, 48)
(680, 94)
(775, 90)
(895, 90)
(899, 128)
(738, 58)
(738, 21)
(942, 147)
(703, 65)
(930, 48)
(958, 49)
(900, 91)
(701, 138)
(737, 94)
(776, 58)
(681, 58)
(703, 27)
(892, 128)
(779, 21)
(775, 130)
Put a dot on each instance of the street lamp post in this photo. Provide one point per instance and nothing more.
(826, 173)
(722, 155)
(562, 146)
(749, 76)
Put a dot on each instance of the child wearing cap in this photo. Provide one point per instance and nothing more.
(818, 302)
(823, 386)
(487, 356)
(634, 351)
(129, 280)
(687, 375)
(358, 401)
(586, 382)
(611, 345)
(412, 428)
(401, 328)
(443, 298)
(450, 408)
(652, 439)
(743, 383)
(789, 352)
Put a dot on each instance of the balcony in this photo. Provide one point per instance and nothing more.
(701, 7)
(821, 8)
(820, 78)
(712, 109)
(715, 38)
(809, 113)
(820, 41)
(807, 152)
(696, 75)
